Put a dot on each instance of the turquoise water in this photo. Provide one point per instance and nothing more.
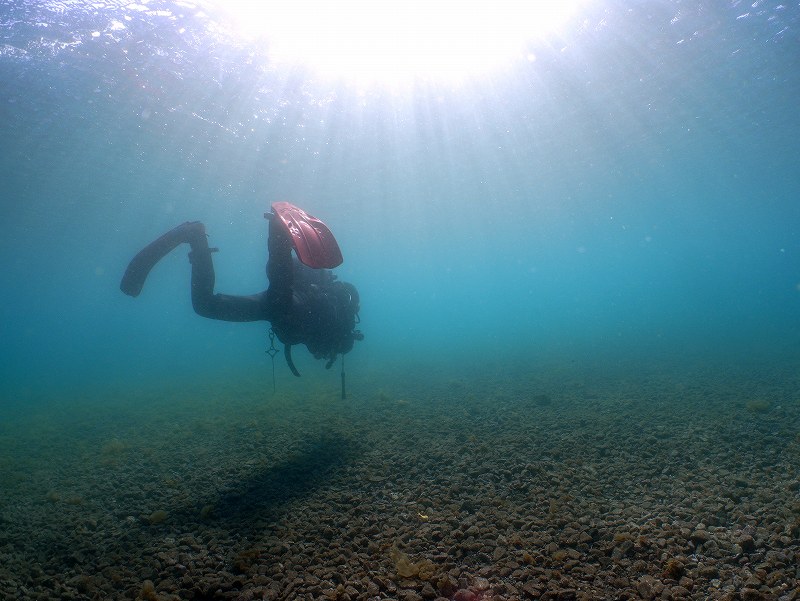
(580, 294)
(630, 195)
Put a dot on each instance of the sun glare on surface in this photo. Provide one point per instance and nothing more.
(392, 41)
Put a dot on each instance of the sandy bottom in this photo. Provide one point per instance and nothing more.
(508, 485)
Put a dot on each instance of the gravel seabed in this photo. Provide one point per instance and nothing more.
(485, 484)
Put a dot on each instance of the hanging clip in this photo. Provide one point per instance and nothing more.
(272, 351)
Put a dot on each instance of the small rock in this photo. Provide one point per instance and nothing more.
(751, 594)
(447, 586)
(464, 595)
(747, 543)
(480, 584)
(645, 587)
(698, 537)
(428, 592)
(531, 590)
(674, 569)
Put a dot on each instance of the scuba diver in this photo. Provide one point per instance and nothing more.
(304, 303)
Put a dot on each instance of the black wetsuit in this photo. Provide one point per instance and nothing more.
(304, 305)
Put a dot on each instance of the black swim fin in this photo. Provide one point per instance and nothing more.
(190, 232)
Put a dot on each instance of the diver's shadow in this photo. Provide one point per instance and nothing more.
(265, 494)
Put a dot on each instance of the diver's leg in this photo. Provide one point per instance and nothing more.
(203, 277)
(136, 273)
(279, 269)
(205, 303)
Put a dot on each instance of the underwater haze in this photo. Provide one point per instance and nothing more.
(631, 193)
(613, 217)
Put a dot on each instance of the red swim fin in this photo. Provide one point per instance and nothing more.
(311, 239)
